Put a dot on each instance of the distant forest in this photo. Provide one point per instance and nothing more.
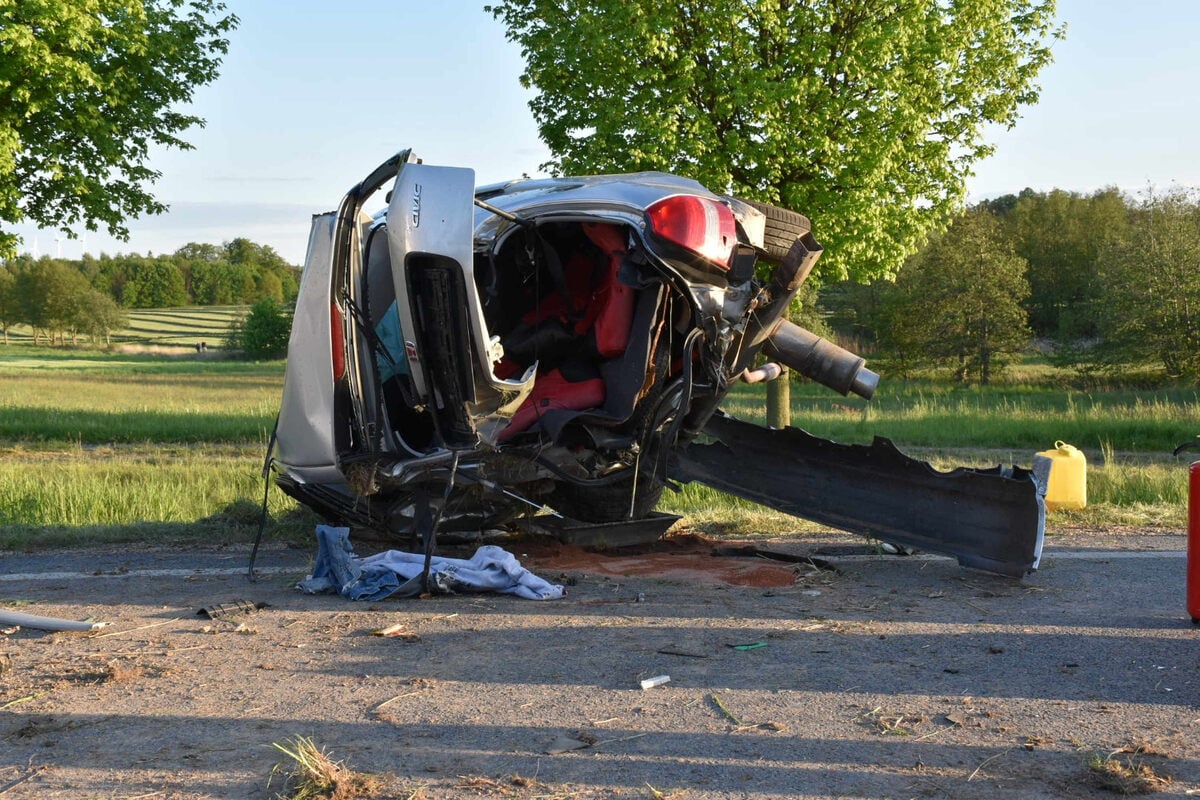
(58, 297)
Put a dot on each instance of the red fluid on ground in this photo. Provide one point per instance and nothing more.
(678, 558)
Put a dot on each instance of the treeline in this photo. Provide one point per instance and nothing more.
(61, 298)
(1099, 282)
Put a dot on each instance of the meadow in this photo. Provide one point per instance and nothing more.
(152, 440)
(164, 327)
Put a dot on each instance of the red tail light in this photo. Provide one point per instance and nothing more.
(337, 343)
(698, 224)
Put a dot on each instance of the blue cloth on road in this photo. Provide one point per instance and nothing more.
(491, 569)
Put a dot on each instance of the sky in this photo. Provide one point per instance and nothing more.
(310, 99)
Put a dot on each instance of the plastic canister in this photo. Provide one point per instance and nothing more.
(1067, 487)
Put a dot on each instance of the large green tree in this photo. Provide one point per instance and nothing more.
(47, 292)
(153, 283)
(1149, 305)
(958, 303)
(866, 115)
(87, 87)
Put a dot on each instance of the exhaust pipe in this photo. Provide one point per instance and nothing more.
(820, 359)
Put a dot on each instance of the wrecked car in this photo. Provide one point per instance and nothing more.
(467, 355)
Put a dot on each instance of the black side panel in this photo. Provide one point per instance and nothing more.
(988, 519)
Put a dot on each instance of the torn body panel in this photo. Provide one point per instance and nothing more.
(993, 520)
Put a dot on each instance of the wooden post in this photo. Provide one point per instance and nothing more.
(779, 402)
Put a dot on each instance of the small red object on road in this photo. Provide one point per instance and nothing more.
(1193, 548)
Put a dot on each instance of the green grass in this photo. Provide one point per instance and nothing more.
(162, 445)
(163, 327)
(100, 398)
(1022, 418)
(78, 494)
(133, 445)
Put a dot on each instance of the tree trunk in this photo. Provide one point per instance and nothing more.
(985, 357)
(779, 401)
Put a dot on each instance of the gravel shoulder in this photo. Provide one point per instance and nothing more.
(859, 675)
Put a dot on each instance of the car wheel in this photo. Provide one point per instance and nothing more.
(783, 228)
(609, 503)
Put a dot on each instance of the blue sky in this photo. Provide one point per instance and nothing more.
(312, 97)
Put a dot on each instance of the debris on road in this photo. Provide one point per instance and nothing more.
(394, 572)
(565, 744)
(48, 623)
(231, 609)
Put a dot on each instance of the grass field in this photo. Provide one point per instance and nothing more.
(165, 327)
(164, 443)
(127, 446)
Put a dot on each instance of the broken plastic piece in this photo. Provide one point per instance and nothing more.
(48, 623)
(565, 744)
(390, 630)
(230, 609)
(753, 646)
(657, 680)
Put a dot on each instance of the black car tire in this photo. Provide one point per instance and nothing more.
(782, 230)
(608, 503)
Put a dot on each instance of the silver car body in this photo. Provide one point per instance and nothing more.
(409, 386)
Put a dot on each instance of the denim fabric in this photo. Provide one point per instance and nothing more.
(491, 569)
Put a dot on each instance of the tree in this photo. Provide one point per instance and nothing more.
(86, 88)
(1149, 306)
(156, 283)
(264, 331)
(865, 115)
(47, 292)
(9, 314)
(98, 315)
(1061, 235)
(959, 302)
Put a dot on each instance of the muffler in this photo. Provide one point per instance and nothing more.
(820, 359)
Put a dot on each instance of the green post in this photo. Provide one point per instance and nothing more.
(779, 402)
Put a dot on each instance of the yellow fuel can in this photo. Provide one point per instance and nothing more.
(1067, 487)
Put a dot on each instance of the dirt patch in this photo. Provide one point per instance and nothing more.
(889, 677)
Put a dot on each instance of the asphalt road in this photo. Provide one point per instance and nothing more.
(875, 676)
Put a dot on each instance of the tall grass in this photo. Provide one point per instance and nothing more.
(118, 445)
(124, 445)
(112, 486)
(1023, 418)
(87, 494)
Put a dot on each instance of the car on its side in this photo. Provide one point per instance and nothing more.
(466, 355)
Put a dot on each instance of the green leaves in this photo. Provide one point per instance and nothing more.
(85, 88)
(1149, 304)
(264, 332)
(959, 302)
(866, 116)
